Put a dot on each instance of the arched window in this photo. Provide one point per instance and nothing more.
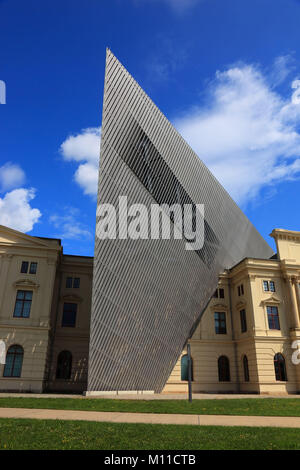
(64, 365)
(14, 361)
(246, 369)
(184, 368)
(224, 370)
(279, 365)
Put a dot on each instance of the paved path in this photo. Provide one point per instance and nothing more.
(156, 396)
(115, 417)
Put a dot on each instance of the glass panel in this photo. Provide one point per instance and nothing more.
(20, 294)
(26, 308)
(76, 283)
(28, 295)
(18, 308)
(33, 268)
(69, 282)
(272, 286)
(8, 365)
(24, 267)
(266, 286)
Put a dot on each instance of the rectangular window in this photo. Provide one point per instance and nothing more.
(24, 267)
(220, 323)
(23, 304)
(69, 282)
(272, 286)
(69, 315)
(273, 318)
(241, 290)
(76, 283)
(243, 321)
(266, 286)
(221, 293)
(33, 268)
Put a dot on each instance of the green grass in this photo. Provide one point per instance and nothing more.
(17, 434)
(241, 406)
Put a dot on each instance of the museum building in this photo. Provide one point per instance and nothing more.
(242, 344)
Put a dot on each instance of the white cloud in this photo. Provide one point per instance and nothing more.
(68, 226)
(84, 147)
(247, 133)
(11, 176)
(16, 211)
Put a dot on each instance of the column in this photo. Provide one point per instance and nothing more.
(293, 302)
(297, 288)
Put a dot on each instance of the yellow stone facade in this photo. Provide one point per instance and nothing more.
(265, 291)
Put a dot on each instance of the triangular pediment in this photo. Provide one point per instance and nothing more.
(271, 300)
(11, 237)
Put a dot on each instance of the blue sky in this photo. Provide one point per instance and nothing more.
(225, 72)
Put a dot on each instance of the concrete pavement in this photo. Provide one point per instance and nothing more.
(153, 418)
(156, 396)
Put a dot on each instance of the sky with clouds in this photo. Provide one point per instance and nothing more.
(225, 72)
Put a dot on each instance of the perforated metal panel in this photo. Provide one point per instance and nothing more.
(148, 295)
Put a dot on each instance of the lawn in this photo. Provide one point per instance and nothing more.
(16, 434)
(241, 406)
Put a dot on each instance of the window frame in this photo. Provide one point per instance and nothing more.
(271, 316)
(22, 270)
(33, 263)
(243, 319)
(224, 369)
(15, 354)
(24, 300)
(280, 368)
(222, 329)
(64, 323)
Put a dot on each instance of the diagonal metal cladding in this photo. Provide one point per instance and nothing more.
(149, 294)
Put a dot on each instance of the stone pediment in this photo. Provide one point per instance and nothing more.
(11, 237)
(26, 283)
(240, 305)
(219, 307)
(271, 300)
(71, 298)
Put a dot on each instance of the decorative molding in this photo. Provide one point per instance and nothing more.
(271, 300)
(71, 298)
(240, 305)
(219, 306)
(27, 283)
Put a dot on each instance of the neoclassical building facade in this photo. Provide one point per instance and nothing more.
(243, 343)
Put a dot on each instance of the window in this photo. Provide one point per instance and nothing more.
(14, 361)
(23, 304)
(24, 267)
(223, 368)
(185, 368)
(269, 286)
(219, 293)
(246, 369)
(33, 268)
(69, 315)
(240, 290)
(272, 286)
(279, 366)
(220, 323)
(76, 283)
(73, 282)
(64, 365)
(273, 318)
(243, 320)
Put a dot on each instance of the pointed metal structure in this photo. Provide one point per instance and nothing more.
(148, 295)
